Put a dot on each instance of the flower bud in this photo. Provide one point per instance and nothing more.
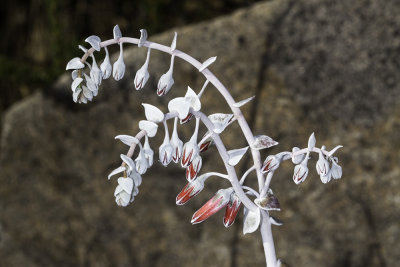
(322, 165)
(142, 75)
(232, 209)
(176, 143)
(326, 178)
(217, 202)
(141, 163)
(271, 163)
(206, 142)
(193, 169)
(166, 81)
(165, 152)
(95, 73)
(190, 149)
(119, 65)
(192, 189)
(148, 152)
(106, 67)
(301, 171)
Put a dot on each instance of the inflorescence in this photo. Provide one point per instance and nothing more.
(257, 202)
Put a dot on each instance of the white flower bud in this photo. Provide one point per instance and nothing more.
(119, 65)
(142, 75)
(95, 73)
(322, 165)
(106, 67)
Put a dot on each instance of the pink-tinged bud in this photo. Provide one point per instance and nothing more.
(232, 210)
(191, 149)
(217, 202)
(271, 163)
(205, 142)
(204, 146)
(194, 168)
(300, 173)
(191, 190)
(165, 153)
(187, 118)
(176, 144)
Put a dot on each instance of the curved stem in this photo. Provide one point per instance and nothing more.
(267, 240)
(244, 176)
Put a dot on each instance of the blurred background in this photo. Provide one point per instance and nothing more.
(329, 67)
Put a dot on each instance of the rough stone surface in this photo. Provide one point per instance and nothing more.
(325, 66)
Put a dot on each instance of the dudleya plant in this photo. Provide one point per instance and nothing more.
(258, 203)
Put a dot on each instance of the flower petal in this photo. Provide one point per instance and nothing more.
(236, 155)
(251, 220)
(263, 141)
(207, 63)
(149, 127)
(153, 113)
(75, 64)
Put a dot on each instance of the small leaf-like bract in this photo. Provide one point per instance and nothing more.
(263, 141)
(251, 220)
(149, 127)
(179, 105)
(117, 32)
(117, 170)
(207, 63)
(311, 142)
(153, 113)
(243, 102)
(75, 64)
(173, 45)
(143, 37)
(127, 139)
(94, 41)
(236, 155)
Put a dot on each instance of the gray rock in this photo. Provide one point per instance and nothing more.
(322, 66)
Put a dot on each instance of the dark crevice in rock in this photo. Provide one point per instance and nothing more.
(264, 64)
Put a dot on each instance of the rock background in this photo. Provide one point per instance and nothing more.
(323, 66)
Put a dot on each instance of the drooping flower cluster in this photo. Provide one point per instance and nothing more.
(189, 155)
